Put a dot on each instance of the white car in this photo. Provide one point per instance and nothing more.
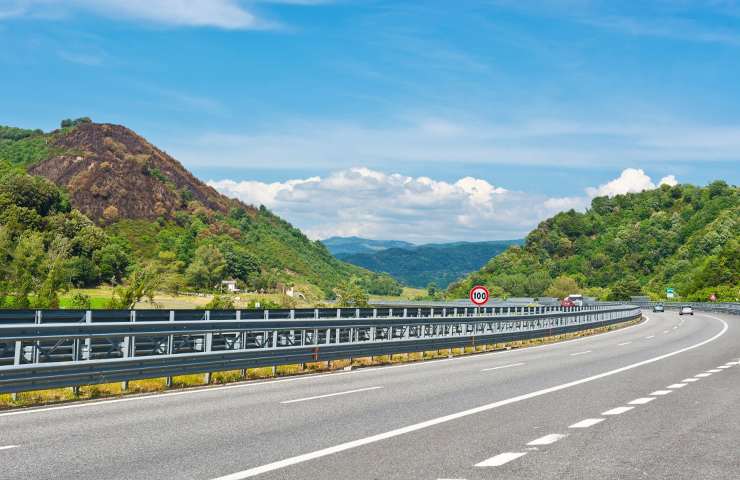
(686, 310)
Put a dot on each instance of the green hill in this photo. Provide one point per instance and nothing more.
(418, 266)
(139, 206)
(685, 237)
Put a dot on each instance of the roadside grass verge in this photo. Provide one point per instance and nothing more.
(153, 385)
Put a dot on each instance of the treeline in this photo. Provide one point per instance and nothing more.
(684, 237)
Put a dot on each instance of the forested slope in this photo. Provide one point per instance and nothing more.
(685, 237)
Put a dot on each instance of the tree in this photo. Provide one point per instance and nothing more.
(625, 288)
(351, 294)
(141, 283)
(562, 286)
(55, 274)
(113, 261)
(432, 289)
(207, 268)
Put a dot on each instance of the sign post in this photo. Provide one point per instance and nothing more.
(479, 295)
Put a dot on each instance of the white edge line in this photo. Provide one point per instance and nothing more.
(320, 375)
(269, 467)
(8, 447)
(336, 394)
(503, 366)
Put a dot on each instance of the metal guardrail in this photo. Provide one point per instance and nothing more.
(717, 307)
(48, 349)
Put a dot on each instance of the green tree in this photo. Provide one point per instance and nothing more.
(207, 268)
(113, 261)
(351, 294)
(562, 286)
(625, 288)
(141, 283)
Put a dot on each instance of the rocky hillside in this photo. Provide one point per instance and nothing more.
(112, 173)
(156, 213)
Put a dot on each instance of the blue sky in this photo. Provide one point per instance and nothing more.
(539, 100)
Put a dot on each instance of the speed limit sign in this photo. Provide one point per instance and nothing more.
(479, 295)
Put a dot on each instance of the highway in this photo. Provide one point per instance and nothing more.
(660, 399)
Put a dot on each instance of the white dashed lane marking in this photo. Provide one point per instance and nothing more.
(580, 353)
(714, 370)
(651, 336)
(702, 375)
(589, 422)
(661, 392)
(503, 366)
(676, 385)
(723, 366)
(617, 411)
(623, 344)
(8, 447)
(546, 440)
(641, 401)
(500, 459)
(689, 380)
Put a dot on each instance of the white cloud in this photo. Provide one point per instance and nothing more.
(370, 203)
(225, 14)
(632, 180)
(669, 180)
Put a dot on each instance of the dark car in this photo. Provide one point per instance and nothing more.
(658, 308)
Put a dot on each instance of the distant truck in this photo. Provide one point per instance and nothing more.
(576, 299)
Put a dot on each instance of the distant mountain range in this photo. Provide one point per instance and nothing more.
(339, 246)
(417, 265)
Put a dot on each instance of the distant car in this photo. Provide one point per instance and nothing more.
(658, 308)
(567, 303)
(686, 310)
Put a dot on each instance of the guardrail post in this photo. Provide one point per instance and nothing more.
(170, 347)
(207, 348)
(17, 353)
(242, 343)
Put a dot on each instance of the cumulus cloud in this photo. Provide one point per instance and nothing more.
(631, 180)
(370, 203)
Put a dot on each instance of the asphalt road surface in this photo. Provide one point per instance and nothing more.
(660, 399)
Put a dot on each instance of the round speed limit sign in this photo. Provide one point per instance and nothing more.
(479, 295)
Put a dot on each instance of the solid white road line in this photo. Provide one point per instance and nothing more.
(617, 411)
(661, 392)
(270, 467)
(580, 353)
(702, 375)
(589, 422)
(347, 392)
(677, 385)
(623, 343)
(641, 401)
(8, 447)
(689, 380)
(500, 459)
(547, 439)
(316, 376)
(503, 366)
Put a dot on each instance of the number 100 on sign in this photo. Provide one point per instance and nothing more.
(479, 295)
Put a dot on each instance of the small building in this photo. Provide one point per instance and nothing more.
(229, 285)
